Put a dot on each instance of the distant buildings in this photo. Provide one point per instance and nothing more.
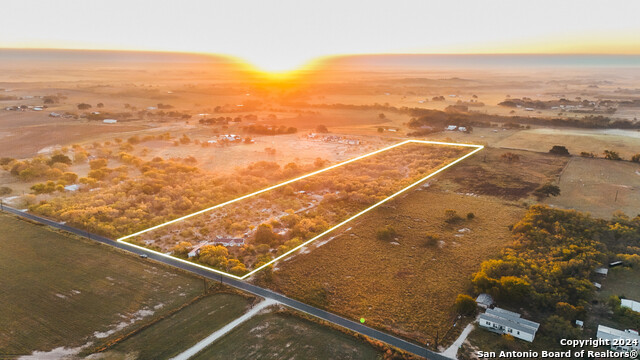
(109, 121)
(507, 322)
(631, 340)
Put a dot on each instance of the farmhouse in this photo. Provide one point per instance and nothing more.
(630, 337)
(507, 322)
(633, 305)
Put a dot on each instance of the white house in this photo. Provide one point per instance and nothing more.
(224, 241)
(633, 305)
(109, 121)
(507, 322)
(462, 128)
(630, 337)
(451, 128)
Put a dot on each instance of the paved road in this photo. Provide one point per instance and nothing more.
(256, 290)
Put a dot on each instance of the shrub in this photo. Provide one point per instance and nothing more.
(451, 216)
(4, 190)
(635, 158)
(431, 240)
(510, 157)
(386, 233)
(611, 155)
(471, 216)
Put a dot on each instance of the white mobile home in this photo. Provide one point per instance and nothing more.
(507, 322)
(630, 337)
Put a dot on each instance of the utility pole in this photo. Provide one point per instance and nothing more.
(616, 199)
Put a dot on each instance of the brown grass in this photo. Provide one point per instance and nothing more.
(408, 287)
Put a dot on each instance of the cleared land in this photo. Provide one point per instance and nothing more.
(592, 185)
(490, 173)
(59, 291)
(626, 142)
(403, 285)
(178, 332)
(284, 336)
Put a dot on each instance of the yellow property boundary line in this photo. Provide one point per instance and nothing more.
(122, 239)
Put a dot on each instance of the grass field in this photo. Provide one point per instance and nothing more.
(180, 331)
(404, 286)
(284, 336)
(622, 281)
(626, 142)
(61, 291)
(591, 185)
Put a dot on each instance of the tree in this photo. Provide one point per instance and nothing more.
(547, 190)
(265, 235)
(100, 105)
(559, 150)
(465, 305)
(611, 155)
(84, 106)
(322, 129)
(181, 249)
(635, 158)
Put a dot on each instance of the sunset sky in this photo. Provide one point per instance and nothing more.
(281, 35)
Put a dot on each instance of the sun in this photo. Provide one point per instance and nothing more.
(279, 64)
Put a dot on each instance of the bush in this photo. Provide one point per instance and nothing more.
(510, 157)
(611, 155)
(386, 233)
(471, 216)
(451, 217)
(4, 190)
(587, 154)
(431, 240)
(635, 158)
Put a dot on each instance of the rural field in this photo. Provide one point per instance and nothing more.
(406, 284)
(62, 292)
(181, 330)
(625, 142)
(286, 336)
(514, 178)
(600, 187)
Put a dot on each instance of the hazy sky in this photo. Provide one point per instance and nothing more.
(283, 34)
